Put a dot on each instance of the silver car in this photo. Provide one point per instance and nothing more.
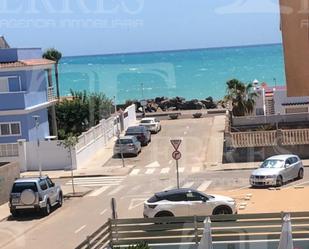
(277, 170)
(35, 193)
(127, 145)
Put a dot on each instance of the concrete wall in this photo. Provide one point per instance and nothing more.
(294, 25)
(129, 116)
(8, 173)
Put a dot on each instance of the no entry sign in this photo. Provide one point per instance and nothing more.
(176, 155)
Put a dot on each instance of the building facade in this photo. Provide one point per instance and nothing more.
(26, 95)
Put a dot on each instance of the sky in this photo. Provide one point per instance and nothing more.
(84, 27)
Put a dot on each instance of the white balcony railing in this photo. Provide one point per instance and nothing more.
(50, 94)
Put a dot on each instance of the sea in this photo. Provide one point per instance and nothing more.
(192, 74)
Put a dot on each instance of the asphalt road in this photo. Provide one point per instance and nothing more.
(154, 171)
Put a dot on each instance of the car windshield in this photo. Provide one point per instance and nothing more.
(146, 121)
(124, 141)
(272, 164)
(19, 187)
(135, 130)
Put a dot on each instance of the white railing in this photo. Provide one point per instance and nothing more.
(270, 138)
(253, 139)
(9, 150)
(50, 94)
(296, 136)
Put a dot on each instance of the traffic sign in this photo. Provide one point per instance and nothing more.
(176, 155)
(176, 143)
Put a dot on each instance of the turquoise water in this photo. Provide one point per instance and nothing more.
(187, 73)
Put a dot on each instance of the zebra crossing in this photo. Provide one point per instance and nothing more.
(97, 181)
(163, 171)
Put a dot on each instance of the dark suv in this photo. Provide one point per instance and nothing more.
(141, 133)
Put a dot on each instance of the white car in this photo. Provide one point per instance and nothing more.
(277, 170)
(152, 124)
(187, 202)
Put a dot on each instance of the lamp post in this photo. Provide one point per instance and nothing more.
(37, 124)
(118, 133)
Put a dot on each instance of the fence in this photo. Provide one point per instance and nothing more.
(269, 138)
(183, 230)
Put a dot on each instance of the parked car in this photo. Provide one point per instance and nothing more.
(127, 145)
(38, 193)
(277, 170)
(152, 124)
(141, 133)
(187, 202)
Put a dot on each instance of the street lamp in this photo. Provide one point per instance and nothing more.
(118, 133)
(37, 124)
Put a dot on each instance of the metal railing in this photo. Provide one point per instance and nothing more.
(50, 94)
(294, 137)
(9, 150)
(167, 230)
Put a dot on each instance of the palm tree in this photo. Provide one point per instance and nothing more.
(54, 55)
(241, 96)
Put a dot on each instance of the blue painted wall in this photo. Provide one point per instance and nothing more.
(28, 129)
(15, 54)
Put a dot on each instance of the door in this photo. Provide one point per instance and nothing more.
(52, 191)
(178, 204)
(289, 169)
(198, 204)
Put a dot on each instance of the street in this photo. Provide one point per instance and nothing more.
(154, 171)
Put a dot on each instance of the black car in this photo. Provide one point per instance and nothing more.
(141, 133)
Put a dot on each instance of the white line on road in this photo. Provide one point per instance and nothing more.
(103, 212)
(181, 170)
(149, 171)
(204, 186)
(185, 133)
(188, 185)
(232, 190)
(170, 162)
(196, 169)
(98, 191)
(164, 170)
(155, 164)
(79, 229)
(135, 172)
(116, 190)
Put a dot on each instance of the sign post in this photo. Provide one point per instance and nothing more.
(176, 156)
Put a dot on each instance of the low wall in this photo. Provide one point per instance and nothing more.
(258, 154)
(8, 173)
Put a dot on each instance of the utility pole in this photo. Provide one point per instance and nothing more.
(118, 133)
(37, 124)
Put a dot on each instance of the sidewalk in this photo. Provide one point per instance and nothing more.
(94, 168)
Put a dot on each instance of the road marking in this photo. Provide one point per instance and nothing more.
(79, 229)
(149, 171)
(135, 172)
(97, 181)
(196, 169)
(204, 186)
(164, 170)
(136, 202)
(116, 190)
(188, 185)
(98, 191)
(103, 212)
(185, 133)
(170, 161)
(181, 170)
(153, 165)
(232, 190)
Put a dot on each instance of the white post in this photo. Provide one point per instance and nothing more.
(22, 154)
(118, 132)
(37, 124)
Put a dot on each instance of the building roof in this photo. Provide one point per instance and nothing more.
(3, 43)
(25, 63)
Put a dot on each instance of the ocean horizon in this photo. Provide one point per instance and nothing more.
(189, 73)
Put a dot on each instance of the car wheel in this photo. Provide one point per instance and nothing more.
(279, 181)
(300, 174)
(222, 210)
(164, 214)
(60, 199)
(46, 210)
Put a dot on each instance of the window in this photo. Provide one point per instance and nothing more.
(43, 184)
(193, 196)
(10, 129)
(19, 187)
(4, 85)
(49, 183)
(10, 84)
(177, 197)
